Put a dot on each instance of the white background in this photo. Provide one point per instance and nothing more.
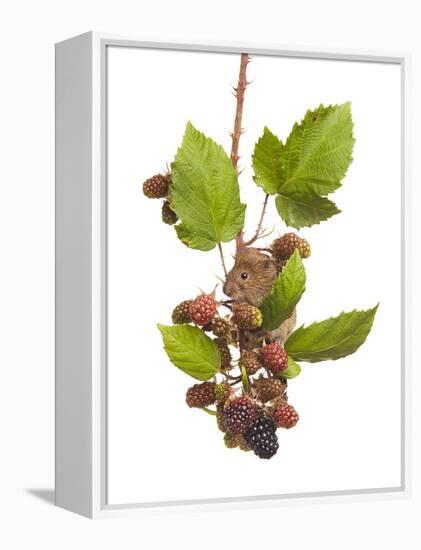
(28, 31)
(150, 271)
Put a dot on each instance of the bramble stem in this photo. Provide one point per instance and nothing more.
(259, 226)
(245, 379)
(221, 253)
(236, 378)
(239, 94)
(236, 134)
(209, 411)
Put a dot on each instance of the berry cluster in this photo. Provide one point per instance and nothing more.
(248, 394)
(250, 397)
(158, 187)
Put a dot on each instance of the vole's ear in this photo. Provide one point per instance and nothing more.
(268, 263)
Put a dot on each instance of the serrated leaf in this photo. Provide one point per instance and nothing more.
(292, 370)
(331, 339)
(318, 151)
(267, 162)
(190, 350)
(305, 208)
(285, 295)
(204, 191)
(193, 240)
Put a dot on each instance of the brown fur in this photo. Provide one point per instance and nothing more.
(262, 271)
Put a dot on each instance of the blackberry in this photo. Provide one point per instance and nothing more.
(233, 441)
(203, 309)
(285, 415)
(251, 362)
(246, 316)
(268, 389)
(242, 443)
(239, 415)
(225, 352)
(167, 214)
(157, 186)
(180, 314)
(261, 437)
(222, 392)
(221, 328)
(275, 357)
(283, 247)
(230, 441)
(220, 417)
(201, 395)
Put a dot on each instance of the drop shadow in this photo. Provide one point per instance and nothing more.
(47, 495)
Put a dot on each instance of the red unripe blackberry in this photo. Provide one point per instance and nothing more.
(275, 357)
(180, 314)
(203, 309)
(268, 389)
(201, 395)
(250, 361)
(168, 215)
(157, 186)
(285, 415)
(246, 316)
(239, 415)
(283, 247)
(261, 437)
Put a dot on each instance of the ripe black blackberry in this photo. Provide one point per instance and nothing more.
(239, 415)
(261, 437)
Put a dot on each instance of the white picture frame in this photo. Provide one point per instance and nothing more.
(81, 251)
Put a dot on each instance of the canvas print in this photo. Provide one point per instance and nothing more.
(253, 275)
(238, 337)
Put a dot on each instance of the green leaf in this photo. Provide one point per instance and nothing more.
(189, 349)
(305, 208)
(292, 370)
(193, 240)
(267, 162)
(204, 192)
(331, 339)
(285, 295)
(318, 151)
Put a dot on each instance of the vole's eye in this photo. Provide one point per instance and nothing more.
(244, 275)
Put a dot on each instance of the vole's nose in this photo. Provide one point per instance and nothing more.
(226, 288)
